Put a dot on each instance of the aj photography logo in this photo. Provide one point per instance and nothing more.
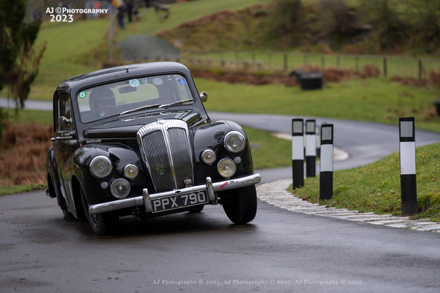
(64, 14)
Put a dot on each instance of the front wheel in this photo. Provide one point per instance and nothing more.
(102, 224)
(240, 204)
(68, 217)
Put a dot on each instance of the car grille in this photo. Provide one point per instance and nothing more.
(166, 151)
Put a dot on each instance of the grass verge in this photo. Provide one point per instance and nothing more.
(267, 150)
(21, 188)
(376, 187)
(372, 99)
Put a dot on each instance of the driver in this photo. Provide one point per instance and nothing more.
(101, 101)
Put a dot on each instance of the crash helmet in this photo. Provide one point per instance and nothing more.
(100, 95)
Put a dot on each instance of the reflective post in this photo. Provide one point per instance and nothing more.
(310, 148)
(318, 142)
(326, 175)
(298, 153)
(408, 184)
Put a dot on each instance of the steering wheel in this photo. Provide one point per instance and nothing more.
(100, 114)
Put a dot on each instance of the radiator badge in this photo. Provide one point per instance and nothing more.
(160, 169)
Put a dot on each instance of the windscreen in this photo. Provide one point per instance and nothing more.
(132, 95)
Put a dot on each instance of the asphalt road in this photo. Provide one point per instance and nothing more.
(280, 251)
(284, 251)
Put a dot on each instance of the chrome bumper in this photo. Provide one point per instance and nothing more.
(144, 200)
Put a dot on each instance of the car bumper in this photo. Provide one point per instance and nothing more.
(145, 199)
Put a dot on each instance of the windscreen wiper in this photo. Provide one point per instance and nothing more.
(140, 108)
(174, 103)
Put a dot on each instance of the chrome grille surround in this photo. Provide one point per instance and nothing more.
(166, 144)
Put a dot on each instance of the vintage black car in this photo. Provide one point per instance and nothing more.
(137, 140)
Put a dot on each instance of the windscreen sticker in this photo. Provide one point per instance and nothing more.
(181, 81)
(82, 95)
(143, 80)
(158, 81)
(134, 82)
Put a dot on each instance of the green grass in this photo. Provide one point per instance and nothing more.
(21, 188)
(373, 99)
(42, 117)
(275, 61)
(267, 150)
(65, 41)
(376, 187)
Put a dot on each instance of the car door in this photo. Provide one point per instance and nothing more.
(65, 144)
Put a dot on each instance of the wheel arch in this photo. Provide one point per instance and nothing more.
(76, 194)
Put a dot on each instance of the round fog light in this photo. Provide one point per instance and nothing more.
(120, 188)
(226, 167)
(208, 157)
(130, 171)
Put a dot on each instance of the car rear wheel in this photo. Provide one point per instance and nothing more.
(102, 224)
(240, 204)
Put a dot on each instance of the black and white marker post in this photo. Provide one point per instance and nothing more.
(408, 184)
(326, 173)
(310, 148)
(298, 153)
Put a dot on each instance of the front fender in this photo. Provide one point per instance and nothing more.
(211, 136)
(120, 155)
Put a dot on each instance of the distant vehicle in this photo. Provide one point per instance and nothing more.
(137, 140)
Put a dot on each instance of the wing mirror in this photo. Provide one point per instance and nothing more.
(203, 97)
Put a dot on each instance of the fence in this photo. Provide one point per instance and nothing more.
(284, 63)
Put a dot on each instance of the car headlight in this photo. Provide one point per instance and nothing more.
(130, 171)
(226, 167)
(120, 188)
(234, 141)
(100, 166)
(208, 157)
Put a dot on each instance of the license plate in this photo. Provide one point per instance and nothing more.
(178, 201)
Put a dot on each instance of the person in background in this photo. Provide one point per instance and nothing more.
(147, 4)
(136, 14)
(129, 8)
(121, 15)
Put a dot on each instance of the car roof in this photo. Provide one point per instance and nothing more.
(122, 72)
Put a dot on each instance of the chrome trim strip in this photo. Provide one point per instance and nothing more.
(237, 183)
(146, 197)
(115, 205)
(177, 191)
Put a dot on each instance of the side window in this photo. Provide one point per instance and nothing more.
(64, 112)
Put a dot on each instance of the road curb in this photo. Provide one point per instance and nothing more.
(275, 193)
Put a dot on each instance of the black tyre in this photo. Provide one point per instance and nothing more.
(102, 224)
(68, 217)
(240, 205)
